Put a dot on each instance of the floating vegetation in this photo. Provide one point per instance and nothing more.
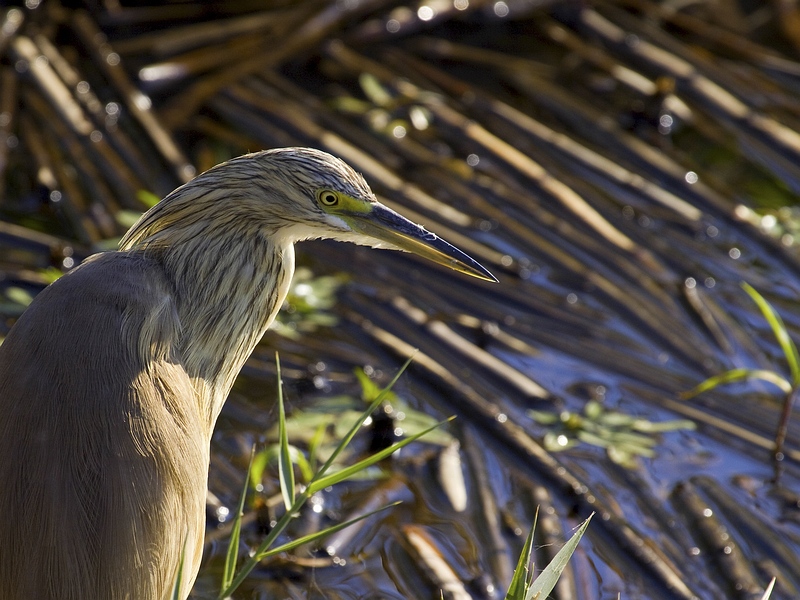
(786, 384)
(320, 477)
(782, 224)
(323, 422)
(624, 437)
(307, 306)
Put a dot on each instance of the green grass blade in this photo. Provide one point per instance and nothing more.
(779, 329)
(313, 537)
(522, 574)
(321, 482)
(178, 583)
(264, 549)
(369, 388)
(251, 562)
(360, 421)
(233, 543)
(148, 198)
(314, 445)
(285, 465)
(548, 578)
(772, 377)
(736, 375)
(299, 459)
(260, 462)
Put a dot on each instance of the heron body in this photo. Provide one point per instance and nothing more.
(112, 380)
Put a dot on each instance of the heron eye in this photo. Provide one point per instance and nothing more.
(328, 198)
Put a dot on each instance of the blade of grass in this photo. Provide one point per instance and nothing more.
(320, 483)
(779, 329)
(285, 465)
(306, 493)
(313, 487)
(313, 446)
(735, 375)
(364, 416)
(313, 537)
(250, 563)
(548, 578)
(178, 584)
(524, 572)
(260, 462)
(233, 543)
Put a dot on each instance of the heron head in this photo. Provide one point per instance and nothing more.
(289, 195)
(330, 200)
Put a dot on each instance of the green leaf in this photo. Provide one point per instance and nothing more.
(369, 389)
(314, 445)
(635, 439)
(556, 442)
(233, 543)
(779, 329)
(548, 578)
(251, 562)
(19, 295)
(544, 417)
(374, 90)
(593, 410)
(285, 465)
(522, 574)
(415, 421)
(321, 482)
(611, 418)
(360, 421)
(149, 199)
(127, 218)
(178, 583)
(312, 537)
(271, 455)
(592, 438)
(622, 457)
(634, 448)
(736, 375)
(662, 426)
(50, 274)
(260, 462)
(298, 458)
(350, 105)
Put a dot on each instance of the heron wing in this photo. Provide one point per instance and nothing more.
(103, 455)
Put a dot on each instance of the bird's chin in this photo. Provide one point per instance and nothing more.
(339, 231)
(354, 237)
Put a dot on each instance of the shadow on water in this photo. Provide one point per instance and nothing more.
(620, 166)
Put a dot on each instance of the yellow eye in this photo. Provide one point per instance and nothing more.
(328, 197)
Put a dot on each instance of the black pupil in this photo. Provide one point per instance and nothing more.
(329, 199)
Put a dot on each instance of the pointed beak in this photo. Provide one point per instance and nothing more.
(388, 226)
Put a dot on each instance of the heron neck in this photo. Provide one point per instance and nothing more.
(227, 295)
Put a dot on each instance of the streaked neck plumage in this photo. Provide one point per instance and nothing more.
(228, 278)
(227, 297)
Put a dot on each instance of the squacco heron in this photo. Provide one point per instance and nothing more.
(113, 378)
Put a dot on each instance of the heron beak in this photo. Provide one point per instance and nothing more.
(386, 225)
